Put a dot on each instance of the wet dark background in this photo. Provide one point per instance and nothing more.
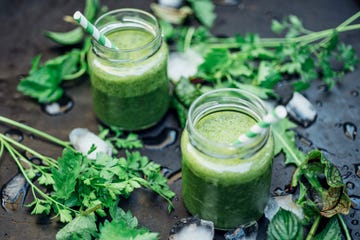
(22, 23)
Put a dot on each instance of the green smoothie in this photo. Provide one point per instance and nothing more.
(228, 191)
(132, 94)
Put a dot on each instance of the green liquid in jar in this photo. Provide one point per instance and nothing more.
(230, 192)
(135, 94)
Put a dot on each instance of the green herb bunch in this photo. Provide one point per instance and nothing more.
(260, 64)
(81, 191)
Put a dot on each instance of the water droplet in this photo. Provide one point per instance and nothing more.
(166, 171)
(166, 138)
(355, 222)
(355, 202)
(15, 134)
(345, 168)
(357, 234)
(13, 193)
(305, 141)
(323, 88)
(318, 103)
(354, 93)
(60, 107)
(279, 192)
(352, 215)
(175, 176)
(350, 130)
(357, 170)
(350, 185)
(346, 175)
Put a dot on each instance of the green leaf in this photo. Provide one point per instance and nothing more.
(65, 176)
(204, 11)
(261, 92)
(186, 92)
(277, 27)
(65, 215)
(81, 227)
(215, 62)
(42, 84)
(46, 179)
(331, 231)
(120, 230)
(285, 141)
(91, 9)
(285, 226)
(72, 37)
(41, 206)
(323, 190)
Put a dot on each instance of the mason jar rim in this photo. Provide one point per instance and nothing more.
(246, 149)
(157, 33)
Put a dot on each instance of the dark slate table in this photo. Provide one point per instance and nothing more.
(22, 24)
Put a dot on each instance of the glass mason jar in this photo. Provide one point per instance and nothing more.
(223, 182)
(130, 88)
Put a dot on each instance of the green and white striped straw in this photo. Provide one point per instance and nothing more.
(275, 115)
(92, 30)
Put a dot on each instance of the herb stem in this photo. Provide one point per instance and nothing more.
(48, 160)
(313, 228)
(36, 132)
(275, 42)
(32, 185)
(343, 225)
(189, 35)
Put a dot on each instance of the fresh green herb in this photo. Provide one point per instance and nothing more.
(322, 194)
(76, 35)
(328, 193)
(300, 57)
(285, 226)
(124, 226)
(331, 231)
(79, 190)
(285, 141)
(72, 37)
(204, 11)
(44, 82)
(115, 137)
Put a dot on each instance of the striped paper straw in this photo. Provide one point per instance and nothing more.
(277, 114)
(92, 30)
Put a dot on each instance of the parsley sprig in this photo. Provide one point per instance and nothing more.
(299, 57)
(79, 190)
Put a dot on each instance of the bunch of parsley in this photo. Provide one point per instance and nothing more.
(81, 191)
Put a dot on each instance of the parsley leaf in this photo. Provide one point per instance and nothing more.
(66, 174)
(81, 227)
(285, 141)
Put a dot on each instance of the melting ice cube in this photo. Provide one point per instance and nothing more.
(301, 110)
(192, 228)
(284, 202)
(82, 140)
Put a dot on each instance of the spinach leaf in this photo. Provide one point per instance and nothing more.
(285, 226)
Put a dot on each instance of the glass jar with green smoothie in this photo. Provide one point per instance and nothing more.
(130, 88)
(224, 182)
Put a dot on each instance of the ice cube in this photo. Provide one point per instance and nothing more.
(301, 110)
(82, 139)
(285, 202)
(244, 232)
(192, 228)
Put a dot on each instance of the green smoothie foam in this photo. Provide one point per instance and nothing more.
(135, 94)
(230, 192)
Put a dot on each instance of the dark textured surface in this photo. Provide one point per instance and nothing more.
(22, 23)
